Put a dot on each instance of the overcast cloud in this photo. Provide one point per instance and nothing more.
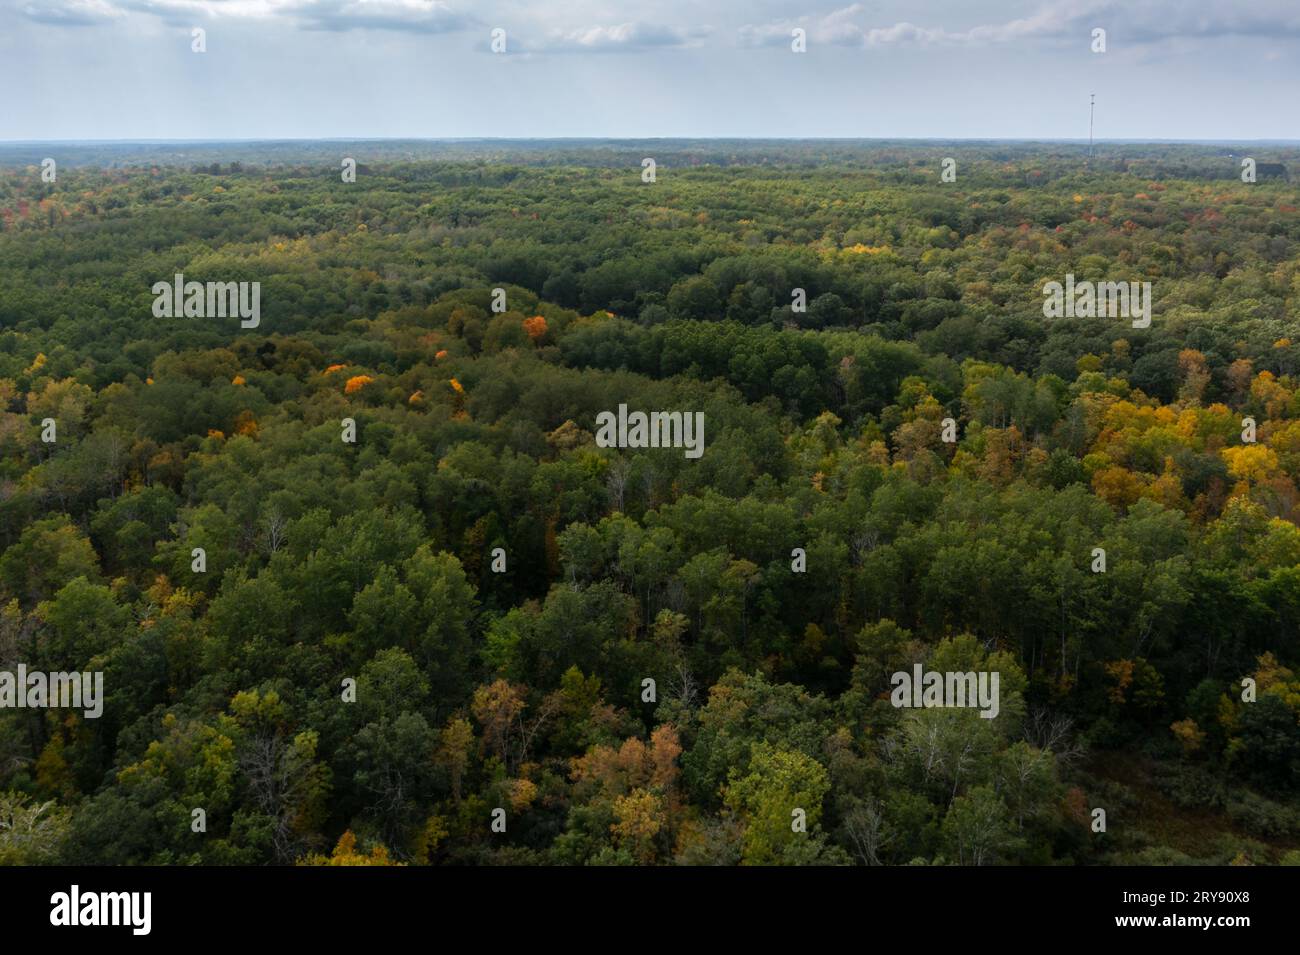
(123, 69)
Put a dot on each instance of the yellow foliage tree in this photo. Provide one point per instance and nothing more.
(1252, 463)
(637, 820)
(345, 853)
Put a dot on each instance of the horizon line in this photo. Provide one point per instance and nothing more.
(152, 141)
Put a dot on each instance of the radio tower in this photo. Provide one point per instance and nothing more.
(1092, 102)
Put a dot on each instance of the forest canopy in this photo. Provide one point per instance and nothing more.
(396, 642)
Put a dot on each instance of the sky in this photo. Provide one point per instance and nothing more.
(960, 69)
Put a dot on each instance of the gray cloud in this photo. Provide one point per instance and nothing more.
(619, 38)
(415, 16)
(72, 13)
(848, 26)
(1126, 24)
(411, 16)
(837, 27)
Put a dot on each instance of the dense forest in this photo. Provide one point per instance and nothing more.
(474, 635)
